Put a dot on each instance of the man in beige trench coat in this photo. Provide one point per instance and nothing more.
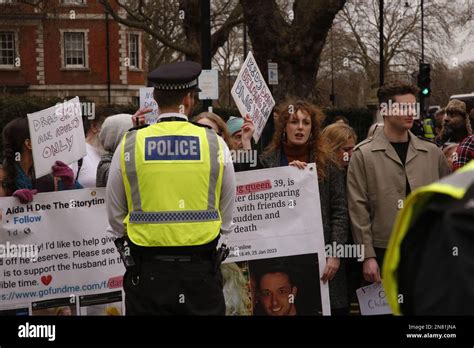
(384, 169)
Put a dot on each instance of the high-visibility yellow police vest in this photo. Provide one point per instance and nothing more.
(428, 129)
(172, 174)
(454, 185)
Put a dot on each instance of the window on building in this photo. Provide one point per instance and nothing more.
(74, 50)
(7, 48)
(133, 50)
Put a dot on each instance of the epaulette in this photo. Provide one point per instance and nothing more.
(363, 142)
(138, 127)
(202, 125)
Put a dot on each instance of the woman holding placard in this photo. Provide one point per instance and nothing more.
(18, 166)
(296, 142)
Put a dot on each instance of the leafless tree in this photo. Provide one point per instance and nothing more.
(175, 24)
(293, 38)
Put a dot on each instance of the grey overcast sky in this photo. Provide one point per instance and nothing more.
(465, 52)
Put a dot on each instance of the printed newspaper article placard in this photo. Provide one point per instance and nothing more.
(57, 134)
(372, 300)
(252, 95)
(277, 245)
(209, 85)
(147, 101)
(56, 257)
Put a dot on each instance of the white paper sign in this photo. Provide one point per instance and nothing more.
(57, 134)
(272, 73)
(278, 214)
(209, 85)
(76, 263)
(252, 95)
(372, 300)
(147, 101)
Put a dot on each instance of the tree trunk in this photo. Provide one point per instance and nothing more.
(296, 47)
(191, 26)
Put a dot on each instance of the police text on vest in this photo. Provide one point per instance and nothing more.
(37, 331)
(172, 147)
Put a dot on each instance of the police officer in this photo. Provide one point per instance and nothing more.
(170, 193)
(429, 262)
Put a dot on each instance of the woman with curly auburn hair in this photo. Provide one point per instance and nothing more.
(297, 142)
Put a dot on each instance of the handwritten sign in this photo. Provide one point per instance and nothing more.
(57, 134)
(252, 95)
(147, 101)
(372, 300)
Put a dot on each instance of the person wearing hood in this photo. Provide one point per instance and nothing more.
(110, 136)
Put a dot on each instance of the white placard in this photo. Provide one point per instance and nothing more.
(57, 134)
(209, 85)
(277, 215)
(76, 263)
(372, 300)
(272, 73)
(147, 101)
(252, 95)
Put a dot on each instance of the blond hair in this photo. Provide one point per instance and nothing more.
(218, 121)
(235, 289)
(337, 134)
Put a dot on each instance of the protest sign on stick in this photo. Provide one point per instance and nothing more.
(252, 95)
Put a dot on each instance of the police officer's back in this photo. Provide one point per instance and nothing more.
(170, 192)
(429, 263)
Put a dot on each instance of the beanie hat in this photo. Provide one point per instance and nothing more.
(456, 106)
(234, 124)
(459, 107)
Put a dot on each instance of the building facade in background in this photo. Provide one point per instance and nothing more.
(67, 48)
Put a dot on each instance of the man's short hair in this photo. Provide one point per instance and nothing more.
(390, 90)
(168, 99)
(273, 270)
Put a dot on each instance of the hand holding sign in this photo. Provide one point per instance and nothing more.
(139, 117)
(248, 129)
(61, 170)
(25, 195)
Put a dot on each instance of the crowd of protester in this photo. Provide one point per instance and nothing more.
(360, 184)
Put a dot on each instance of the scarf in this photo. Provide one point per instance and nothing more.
(296, 152)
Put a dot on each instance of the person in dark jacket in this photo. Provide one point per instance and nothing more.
(296, 142)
